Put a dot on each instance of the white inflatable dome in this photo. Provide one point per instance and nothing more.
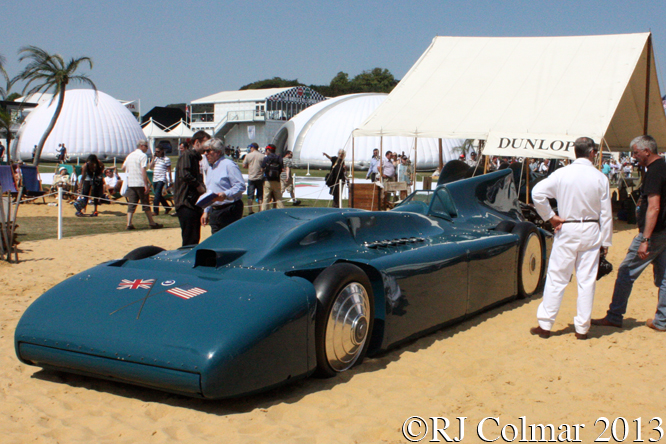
(327, 126)
(86, 126)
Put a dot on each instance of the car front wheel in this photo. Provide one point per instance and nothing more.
(344, 319)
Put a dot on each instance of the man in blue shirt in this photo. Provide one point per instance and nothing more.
(224, 179)
(374, 166)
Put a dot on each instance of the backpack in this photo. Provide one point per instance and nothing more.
(272, 170)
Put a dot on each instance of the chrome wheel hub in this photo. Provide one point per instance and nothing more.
(531, 266)
(347, 327)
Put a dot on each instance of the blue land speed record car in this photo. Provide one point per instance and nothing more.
(286, 293)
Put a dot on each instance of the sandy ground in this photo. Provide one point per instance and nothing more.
(488, 366)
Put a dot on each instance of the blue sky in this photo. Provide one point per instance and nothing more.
(177, 51)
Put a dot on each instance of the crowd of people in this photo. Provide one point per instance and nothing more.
(392, 168)
(209, 184)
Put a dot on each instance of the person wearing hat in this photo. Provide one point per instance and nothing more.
(272, 166)
(61, 180)
(255, 178)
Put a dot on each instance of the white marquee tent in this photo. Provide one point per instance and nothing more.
(88, 124)
(326, 127)
(153, 131)
(180, 130)
(528, 96)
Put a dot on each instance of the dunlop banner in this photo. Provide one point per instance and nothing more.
(531, 145)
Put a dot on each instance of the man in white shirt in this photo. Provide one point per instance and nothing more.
(584, 224)
(138, 185)
(388, 169)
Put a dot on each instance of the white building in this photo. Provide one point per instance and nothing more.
(242, 117)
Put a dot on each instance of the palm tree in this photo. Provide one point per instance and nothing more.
(5, 116)
(49, 71)
(466, 147)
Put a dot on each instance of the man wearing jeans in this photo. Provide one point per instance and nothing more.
(650, 243)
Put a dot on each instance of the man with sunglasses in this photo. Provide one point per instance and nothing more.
(649, 245)
(583, 226)
(224, 180)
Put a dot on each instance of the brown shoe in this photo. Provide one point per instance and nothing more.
(604, 322)
(156, 226)
(581, 336)
(650, 324)
(538, 331)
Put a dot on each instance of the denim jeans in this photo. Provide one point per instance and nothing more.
(159, 199)
(631, 268)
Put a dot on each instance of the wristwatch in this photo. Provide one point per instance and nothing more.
(645, 239)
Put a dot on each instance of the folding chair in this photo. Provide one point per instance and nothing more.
(31, 183)
(7, 180)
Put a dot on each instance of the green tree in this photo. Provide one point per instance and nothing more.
(49, 71)
(376, 80)
(340, 84)
(275, 82)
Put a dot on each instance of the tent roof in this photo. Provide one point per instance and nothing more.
(534, 93)
(326, 126)
(180, 130)
(241, 96)
(152, 131)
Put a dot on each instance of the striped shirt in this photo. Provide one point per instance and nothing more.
(160, 169)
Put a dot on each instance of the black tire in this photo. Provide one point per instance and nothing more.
(143, 252)
(344, 293)
(531, 262)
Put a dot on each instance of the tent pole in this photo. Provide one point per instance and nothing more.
(381, 158)
(441, 156)
(647, 85)
(416, 151)
(351, 190)
(527, 183)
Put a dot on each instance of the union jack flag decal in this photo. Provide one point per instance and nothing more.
(136, 284)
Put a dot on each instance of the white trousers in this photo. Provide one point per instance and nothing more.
(576, 245)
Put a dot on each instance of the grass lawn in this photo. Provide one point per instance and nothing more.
(112, 219)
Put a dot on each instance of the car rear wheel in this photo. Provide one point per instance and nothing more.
(531, 264)
(344, 318)
(143, 252)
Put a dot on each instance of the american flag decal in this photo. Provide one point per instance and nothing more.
(135, 284)
(187, 291)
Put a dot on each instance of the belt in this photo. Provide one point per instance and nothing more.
(222, 207)
(582, 221)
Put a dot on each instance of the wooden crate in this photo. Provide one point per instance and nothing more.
(365, 196)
